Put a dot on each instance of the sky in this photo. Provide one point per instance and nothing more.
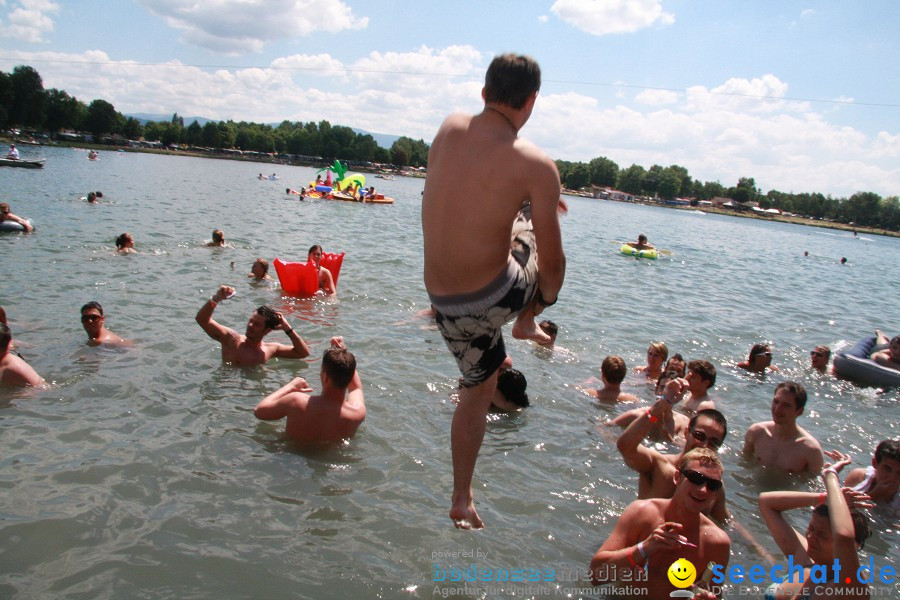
(801, 95)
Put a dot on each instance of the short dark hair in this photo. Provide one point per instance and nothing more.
(511, 79)
(705, 370)
(218, 235)
(5, 336)
(340, 365)
(614, 369)
(642, 238)
(93, 304)
(549, 327)
(512, 384)
(887, 449)
(675, 357)
(313, 248)
(823, 349)
(795, 389)
(714, 415)
(861, 530)
(272, 318)
(120, 241)
(264, 263)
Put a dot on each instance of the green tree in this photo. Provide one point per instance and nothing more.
(132, 129)
(63, 112)
(399, 156)
(29, 100)
(193, 134)
(577, 177)
(631, 180)
(603, 172)
(650, 185)
(6, 99)
(669, 184)
(101, 119)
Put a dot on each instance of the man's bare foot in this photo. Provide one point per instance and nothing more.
(528, 330)
(465, 517)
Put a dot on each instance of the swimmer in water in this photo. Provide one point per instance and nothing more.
(881, 480)
(260, 270)
(510, 395)
(889, 357)
(326, 280)
(641, 244)
(218, 239)
(6, 215)
(93, 321)
(612, 373)
(656, 356)
(759, 360)
(250, 349)
(13, 370)
(818, 358)
(125, 244)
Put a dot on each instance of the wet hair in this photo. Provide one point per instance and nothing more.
(756, 350)
(122, 239)
(795, 389)
(511, 79)
(887, 449)
(704, 456)
(715, 416)
(314, 248)
(218, 236)
(98, 194)
(264, 263)
(861, 529)
(614, 369)
(93, 304)
(549, 327)
(272, 318)
(705, 370)
(340, 365)
(512, 384)
(824, 349)
(642, 239)
(91, 196)
(5, 337)
(661, 348)
(4, 207)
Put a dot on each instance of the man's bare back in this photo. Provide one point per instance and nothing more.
(796, 454)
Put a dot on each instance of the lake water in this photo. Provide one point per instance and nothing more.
(142, 473)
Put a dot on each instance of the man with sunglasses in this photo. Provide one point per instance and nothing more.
(706, 429)
(92, 319)
(655, 532)
(781, 443)
(818, 358)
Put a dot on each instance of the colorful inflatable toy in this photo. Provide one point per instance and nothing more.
(302, 278)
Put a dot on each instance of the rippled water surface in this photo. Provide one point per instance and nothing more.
(142, 473)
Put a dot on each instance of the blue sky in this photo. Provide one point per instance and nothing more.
(801, 95)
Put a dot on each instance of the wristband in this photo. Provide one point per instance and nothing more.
(643, 552)
(544, 303)
(822, 497)
(213, 301)
(630, 558)
(289, 331)
(653, 418)
(828, 470)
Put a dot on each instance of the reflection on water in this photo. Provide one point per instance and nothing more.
(142, 472)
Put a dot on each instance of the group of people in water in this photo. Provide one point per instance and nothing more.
(681, 508)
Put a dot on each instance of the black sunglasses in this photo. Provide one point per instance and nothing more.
(86, 318)
(699, 479)
(702, 437)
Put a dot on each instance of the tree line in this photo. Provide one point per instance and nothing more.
(25, 103)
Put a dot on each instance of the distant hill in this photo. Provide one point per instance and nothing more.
(382, 139)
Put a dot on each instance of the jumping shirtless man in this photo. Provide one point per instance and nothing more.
(482, 232)
(250, 349)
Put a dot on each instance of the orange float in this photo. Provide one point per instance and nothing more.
(302, 278)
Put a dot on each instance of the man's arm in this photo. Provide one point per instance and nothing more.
(298, 349)
(21, 373)
(544, 194)
(20, 221)
(636, 455)
(204, 315)
(328, 286)
(277, 404)
(749, 440)
(815, 460)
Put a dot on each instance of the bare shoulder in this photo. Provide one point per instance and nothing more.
(713, 533)
(809, 441)
(855, 477)
(757, 429)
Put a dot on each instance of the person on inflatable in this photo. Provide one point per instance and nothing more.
(890, 356)
(6, 215)
(641, 244)
(326, 281)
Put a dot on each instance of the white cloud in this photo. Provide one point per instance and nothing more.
(807, 13)
(602, 17)
(240, 26)
(29, 21)
(543, 19)
(784, 144)
(656, 97)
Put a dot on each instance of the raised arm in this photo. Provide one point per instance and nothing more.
(636, 455)
(204, 315)
(277, 404)
(298, 349)
(790, 541)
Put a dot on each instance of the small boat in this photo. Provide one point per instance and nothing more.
(25, 164)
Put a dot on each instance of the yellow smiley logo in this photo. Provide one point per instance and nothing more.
(682, 573)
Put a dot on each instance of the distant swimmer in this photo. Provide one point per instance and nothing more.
(125, 244)
(654, 533)
(6, 215)
(326, 280)
(550, 329)
(818, 358)
(13, 370)
(612, 373)
(889, 357)
(218, 239)
(250, 349)
(656, 356)
(93, 197)
(332, 415)
(881, 480)
(641, 243)
(781, 443)
(701, 378)
(843, 260)
(489, 262)
(260, 270)
(13, 153)
(93, 321)
(759, 360)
